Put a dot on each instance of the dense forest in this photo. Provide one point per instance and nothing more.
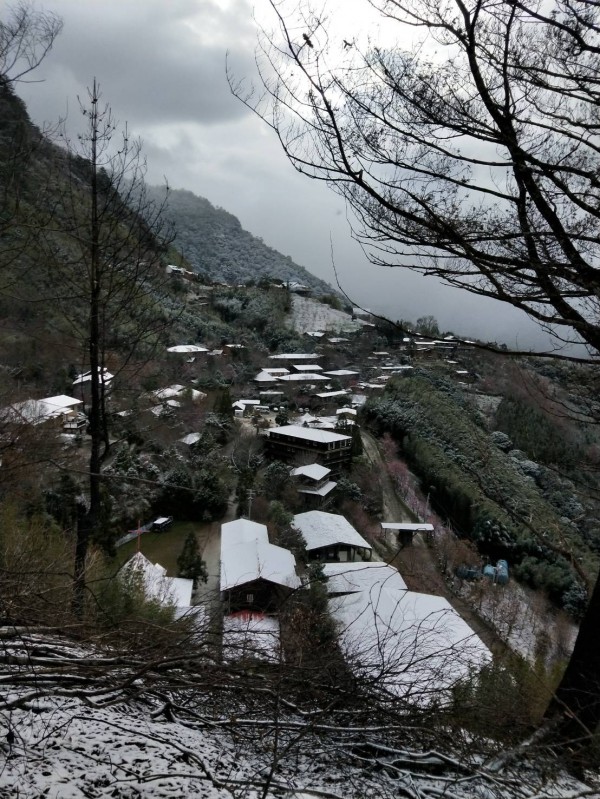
(218, 248)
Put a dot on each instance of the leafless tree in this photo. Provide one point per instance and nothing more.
(26, 37)
(472, 157)
(102, 247)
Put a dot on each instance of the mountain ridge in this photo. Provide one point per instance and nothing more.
(214, 242)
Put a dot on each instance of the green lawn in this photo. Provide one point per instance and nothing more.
(163, 548)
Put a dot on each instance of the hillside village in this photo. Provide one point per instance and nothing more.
(256, 541)
(297, 415)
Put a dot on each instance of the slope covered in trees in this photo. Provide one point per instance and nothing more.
(217, 246)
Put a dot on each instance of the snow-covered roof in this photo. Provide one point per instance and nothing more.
(276, 370)
(294, 356)
(168, 590)
(329, 394)
(250, 635)
(159, 409)
(337, 340)
(38, 411)
(191, 438)
(417, 644)
(245, 562)
(313, 470)
(351, 411)
(243, 531)
(265, 377)
(187, 348)
(322, 491)
(309, 433)
(307, 418)
(169, 392)
(86, 377)
(60, 401)
(320, 529)
(341, 373)
(308, 377)
(314, 333)
(371, 576)
(416, 527)
(307, 367)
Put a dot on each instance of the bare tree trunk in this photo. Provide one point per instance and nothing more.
(575, 707)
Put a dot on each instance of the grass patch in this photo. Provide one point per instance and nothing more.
(163, 548)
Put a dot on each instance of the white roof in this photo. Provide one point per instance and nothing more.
(315, 333)
(276, 370)
(418, 526)
(309, 433)
(243, 531)
(320, 529)
(245, 562)
(371, 576)
(86, 377)
(251, 635)
(187, 348)
(341, 373)
(38, 411)
(327, 394)
(337, 339)
(322, 491)
(294, 356)
(170, 391)
(313, 470)
(351, 411)
(265, 377)
(308, 377)
(416, 643)
(308, 418)
(168, 590)
(60, 401)
(191, 438)
(306, 367)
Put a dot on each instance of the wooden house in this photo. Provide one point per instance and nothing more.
(255, 575)
(296, 445)
(330, 538)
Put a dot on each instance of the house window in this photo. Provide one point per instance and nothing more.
(249, 598)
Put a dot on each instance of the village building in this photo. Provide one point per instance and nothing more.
(152, 579)
(329, 537)
(83, 383)
(296, 444)
(404, 532)
(371, 576)
(60, 410)
(314, 482)
(255, 574)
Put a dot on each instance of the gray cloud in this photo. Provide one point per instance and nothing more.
(161, 66)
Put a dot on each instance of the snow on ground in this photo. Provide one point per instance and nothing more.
(310, 315)
(251, 635)
(65, 749)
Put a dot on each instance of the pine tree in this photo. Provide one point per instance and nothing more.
(189, 563)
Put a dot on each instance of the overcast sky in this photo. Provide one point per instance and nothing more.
(161, 66)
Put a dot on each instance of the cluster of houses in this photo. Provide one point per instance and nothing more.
(407, 643)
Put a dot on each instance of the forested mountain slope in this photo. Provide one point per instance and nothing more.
(217, 246)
